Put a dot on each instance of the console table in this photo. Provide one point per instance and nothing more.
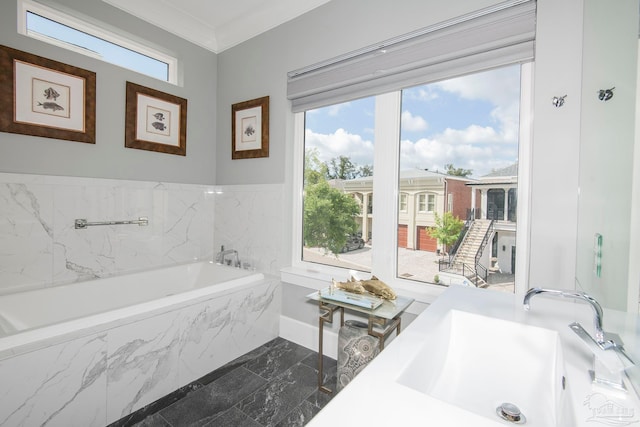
(385, 317)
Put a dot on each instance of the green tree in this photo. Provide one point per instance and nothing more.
(447, 229)
(341, 168)
(457, 171)
(366, 170)
(328, 217)
(314, 170)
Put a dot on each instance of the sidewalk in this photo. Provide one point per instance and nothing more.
(415, 265)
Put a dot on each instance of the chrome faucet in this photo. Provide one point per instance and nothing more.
(597, 309)
(220, 257)
(608, 366)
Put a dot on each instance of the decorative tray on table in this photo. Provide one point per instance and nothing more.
(360, 300)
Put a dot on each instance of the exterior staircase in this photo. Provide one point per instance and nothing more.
(464, 261)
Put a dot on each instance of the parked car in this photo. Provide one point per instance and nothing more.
(353, 242)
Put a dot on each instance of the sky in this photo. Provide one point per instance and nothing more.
(470, 122)
(108, 51)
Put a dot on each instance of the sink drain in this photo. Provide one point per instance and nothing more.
(510, 412)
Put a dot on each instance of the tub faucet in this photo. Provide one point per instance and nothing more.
(608, 366)
(220, 256)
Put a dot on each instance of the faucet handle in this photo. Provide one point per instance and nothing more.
(601, 350)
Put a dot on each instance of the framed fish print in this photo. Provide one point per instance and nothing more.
(250, 129)
(43, 97)
(155, 121)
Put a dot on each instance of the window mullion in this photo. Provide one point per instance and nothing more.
(385, 185)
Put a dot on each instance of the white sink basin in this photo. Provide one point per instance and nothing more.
(477, 363)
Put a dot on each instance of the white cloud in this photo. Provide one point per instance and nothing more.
(435, 153)
(500, 86)
(422, 93)
(335, 110)
(341, 143)
(479, 148)
(473, 134)
(413, 123)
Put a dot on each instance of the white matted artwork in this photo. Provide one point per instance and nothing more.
(43, 97)
(48, 98)
(250, 129)
(155, 121)
(158, 121)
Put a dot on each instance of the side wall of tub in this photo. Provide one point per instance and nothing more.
(97, 379)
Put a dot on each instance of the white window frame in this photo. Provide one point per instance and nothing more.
(386, 166)
(95, 29)
(422, 203)
(431, 203)
(426, 203)
(404, 198)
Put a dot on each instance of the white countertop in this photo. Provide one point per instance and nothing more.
(375, 398)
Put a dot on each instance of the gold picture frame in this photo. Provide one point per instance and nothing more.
(155, 121)
(43, 97)
(250, 129)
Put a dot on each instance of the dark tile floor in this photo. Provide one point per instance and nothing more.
(273, 385)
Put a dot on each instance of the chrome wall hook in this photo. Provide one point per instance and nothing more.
(605, 94)
(558, 101)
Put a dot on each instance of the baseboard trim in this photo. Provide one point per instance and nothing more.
(306, 335)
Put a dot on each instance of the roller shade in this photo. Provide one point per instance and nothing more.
(499, 35)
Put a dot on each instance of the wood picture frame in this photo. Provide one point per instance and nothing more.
(155, 121)
(47, 98)
(250, 129)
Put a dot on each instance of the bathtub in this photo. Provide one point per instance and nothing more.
(90, 353)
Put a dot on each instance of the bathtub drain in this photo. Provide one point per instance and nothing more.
(510, 412)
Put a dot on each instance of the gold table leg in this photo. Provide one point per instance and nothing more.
(326, 317)
(327, 311)
(395, 323)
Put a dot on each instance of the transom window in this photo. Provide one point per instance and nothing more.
(52, 26)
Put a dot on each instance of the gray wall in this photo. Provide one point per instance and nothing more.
(259, 67)
(108, 158)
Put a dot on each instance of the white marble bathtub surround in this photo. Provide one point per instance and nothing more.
(142, 363)
(239, 322)
(249, 218)
(40, 247)
(62, 385)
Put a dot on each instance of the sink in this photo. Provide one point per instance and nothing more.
(477, 363)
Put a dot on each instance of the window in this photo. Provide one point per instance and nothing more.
(403, 202)
(444, 133)
(450, 165)
(459, 140)
(495, 204)
(426, 203)
(422, 203)
(512, 204)
(338, 184)
(78, 34)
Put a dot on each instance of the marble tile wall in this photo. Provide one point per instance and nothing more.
(249, 219)
(40, 246)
